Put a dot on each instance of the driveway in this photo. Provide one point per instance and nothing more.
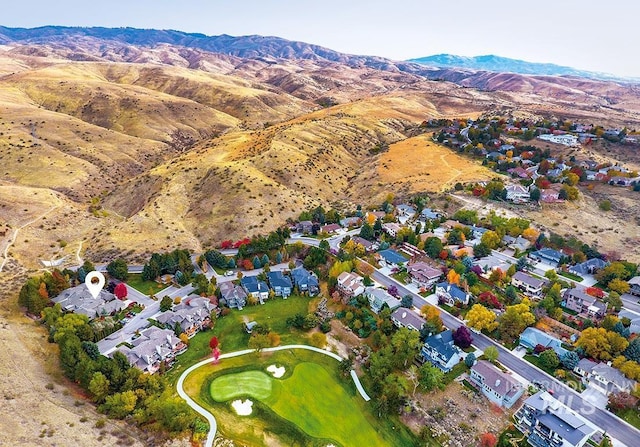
(594, 397)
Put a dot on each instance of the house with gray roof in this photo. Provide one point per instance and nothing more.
(408, 318)
(607, 379)
(532, 337)
(516, 243)
(440, 351)
(256, 288)
(350, 285)
(634, 285)
(499, 387)
(428, 214)
(78, 299)
(546, 422)
(548, 255)
(151, 348)
(232, 295)
(588, 267)
(423, 275)
(405, 212)
(579, 301)
(529, 284)
(305, 281)
(368, 245)
(584, 367)
(280, 283)
(191, 315)
(378, 298)
(347, 222)
(450, 294)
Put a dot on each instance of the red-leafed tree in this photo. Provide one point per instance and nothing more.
(247, 264)
(490, 300)
(241, 242)
(120, 291)
(488, 440)
(214, 342)
(462, 337)
(595, 291)
(226, 244)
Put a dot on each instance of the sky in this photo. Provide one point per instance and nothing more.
(588, 34)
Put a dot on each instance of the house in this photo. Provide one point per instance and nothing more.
(634, 286)
(566, 139)
(532, 337)
(451, 294)
(411, 250)
(548, 423)
(499, 387)
(305, 226)
(330, 228)
(405, 212)
(408, 318)
(478, 232)
(378, 298)
(350, 285)
(428, 214)
(517, 193)
(578, 301)
(191, 315)
(305, 281)
(490, 263)
(348, 222)
(528, 284)
(519, 172)
(151, 348)
(608, 379)
(232, 295)
(550, 195)
(440, 351)
(547, 255)
(280, 283)
(78, 299)
(391, 228)
(516, 243)
(254, 287)
(368, 245)
(391, 258)
(584, 367)
(588, 267)
(423, 275)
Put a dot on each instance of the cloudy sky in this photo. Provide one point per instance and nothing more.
(587, 34)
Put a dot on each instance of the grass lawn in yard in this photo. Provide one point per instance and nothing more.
(147, 287)
(402, 277)
(631, 416)
(255, 384)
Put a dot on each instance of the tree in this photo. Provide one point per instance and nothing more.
(534, 194)
(619, 286)
(366, 232)
(515, 319)
(462, 337)
(118, 269)
(633, 350)
(318, 339)
(265, 260)
(481, 318)
(601, 344)
(621, 401)
(405, 343)
(481, 250)
(491, 353)
(99, 387)
(570, 360)
(431, 377)
(470, 359)
(614, 301)
(433, 247)
(120, 405)
(256, 262)
(121, 291)
(407, 301)
(165, 303)
(549, 359)
(490, 239)
(488, 440)
(259, 341)
(453, 277)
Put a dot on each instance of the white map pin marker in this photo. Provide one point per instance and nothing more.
(94, 287)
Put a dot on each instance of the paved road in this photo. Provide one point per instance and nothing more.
(630, 302)
(213, 425)
(614, 426)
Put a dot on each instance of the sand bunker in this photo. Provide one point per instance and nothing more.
(276, 371)
(243, 408)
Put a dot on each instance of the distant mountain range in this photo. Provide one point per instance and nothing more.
(500, 64)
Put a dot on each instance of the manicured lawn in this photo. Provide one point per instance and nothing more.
(255, 384)
(631, 416)
(403, 277)
(571, 276)
(147, 287)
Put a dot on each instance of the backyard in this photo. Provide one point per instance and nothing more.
(147, 287)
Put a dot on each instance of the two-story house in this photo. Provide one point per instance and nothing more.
(378, 298)
(547, 255)
(603, 377)
(151, 348)
(256, 288)
(546, 422)
(530, 285)
(350, 285)
(305, 281)
(440, 351)
(497, 386)
(408, 318)
(583, 303)
(634, 286)
(232, 295)
(280, 283)
(450, 294)
(423, 275)
(191, 315)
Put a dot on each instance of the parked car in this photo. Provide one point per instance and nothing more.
(229, 273)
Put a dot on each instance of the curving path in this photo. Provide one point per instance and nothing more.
(213, 425)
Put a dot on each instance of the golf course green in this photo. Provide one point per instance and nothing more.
(310, 398)
(255, 384)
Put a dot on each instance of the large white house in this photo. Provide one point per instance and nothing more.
(566, 139)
